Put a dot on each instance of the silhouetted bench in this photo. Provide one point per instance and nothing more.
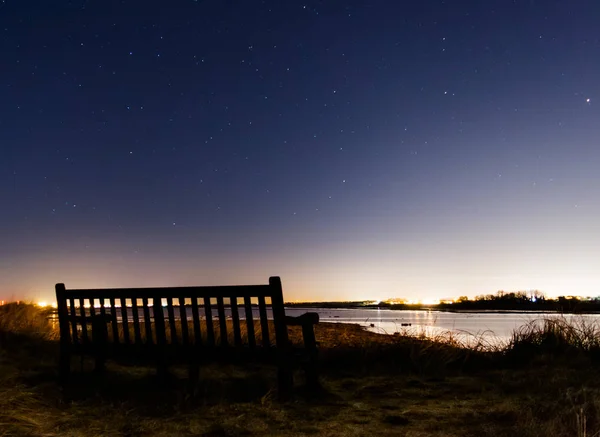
(190, 325)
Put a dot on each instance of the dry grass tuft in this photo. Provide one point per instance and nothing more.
(27, 319)
(575, 338)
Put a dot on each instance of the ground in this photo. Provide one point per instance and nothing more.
(372, 385)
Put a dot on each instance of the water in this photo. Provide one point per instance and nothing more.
(494, 328)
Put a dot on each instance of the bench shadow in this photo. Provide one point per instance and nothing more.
(143, 387)
(155, 396)
(138, 385)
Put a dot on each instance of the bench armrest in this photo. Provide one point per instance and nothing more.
(308, 322)
(303, 320)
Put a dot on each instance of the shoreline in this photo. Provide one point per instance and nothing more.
(437, 310)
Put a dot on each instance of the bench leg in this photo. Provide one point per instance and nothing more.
(100, 342)
(100, 366)
(285, 380)
(312, 377)
(310, 367)
(162, 371)
(64, 366)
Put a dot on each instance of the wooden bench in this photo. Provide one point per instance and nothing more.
(192, 325)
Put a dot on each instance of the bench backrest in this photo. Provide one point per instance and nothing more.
(209, 316)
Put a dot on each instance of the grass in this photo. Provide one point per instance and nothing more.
(556, 337)
(26, 319)
(543, 382)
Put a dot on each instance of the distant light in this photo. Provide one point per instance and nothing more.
(588, 100)
(42, 304)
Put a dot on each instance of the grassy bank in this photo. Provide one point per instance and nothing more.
(543, 383)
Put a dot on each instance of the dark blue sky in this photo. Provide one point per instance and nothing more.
(358, 149)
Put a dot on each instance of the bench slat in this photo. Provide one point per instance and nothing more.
(137, 333)
(183, 322)
(210, 332)
(159, 321)
(84, 332)
(264, 322)
(249, 323)
(235, 318)
(124, 320)
(92, 315)
(196, 318)
(222, 321)
(147, 321)
(172, 324)
(92, 307)
(102, 309)
(115, 326)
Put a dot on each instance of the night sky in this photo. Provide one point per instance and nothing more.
(357, 149)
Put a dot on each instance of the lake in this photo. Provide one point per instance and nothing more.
(494, 327)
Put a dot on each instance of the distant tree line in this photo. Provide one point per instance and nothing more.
(533, 300)
(335, 304)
